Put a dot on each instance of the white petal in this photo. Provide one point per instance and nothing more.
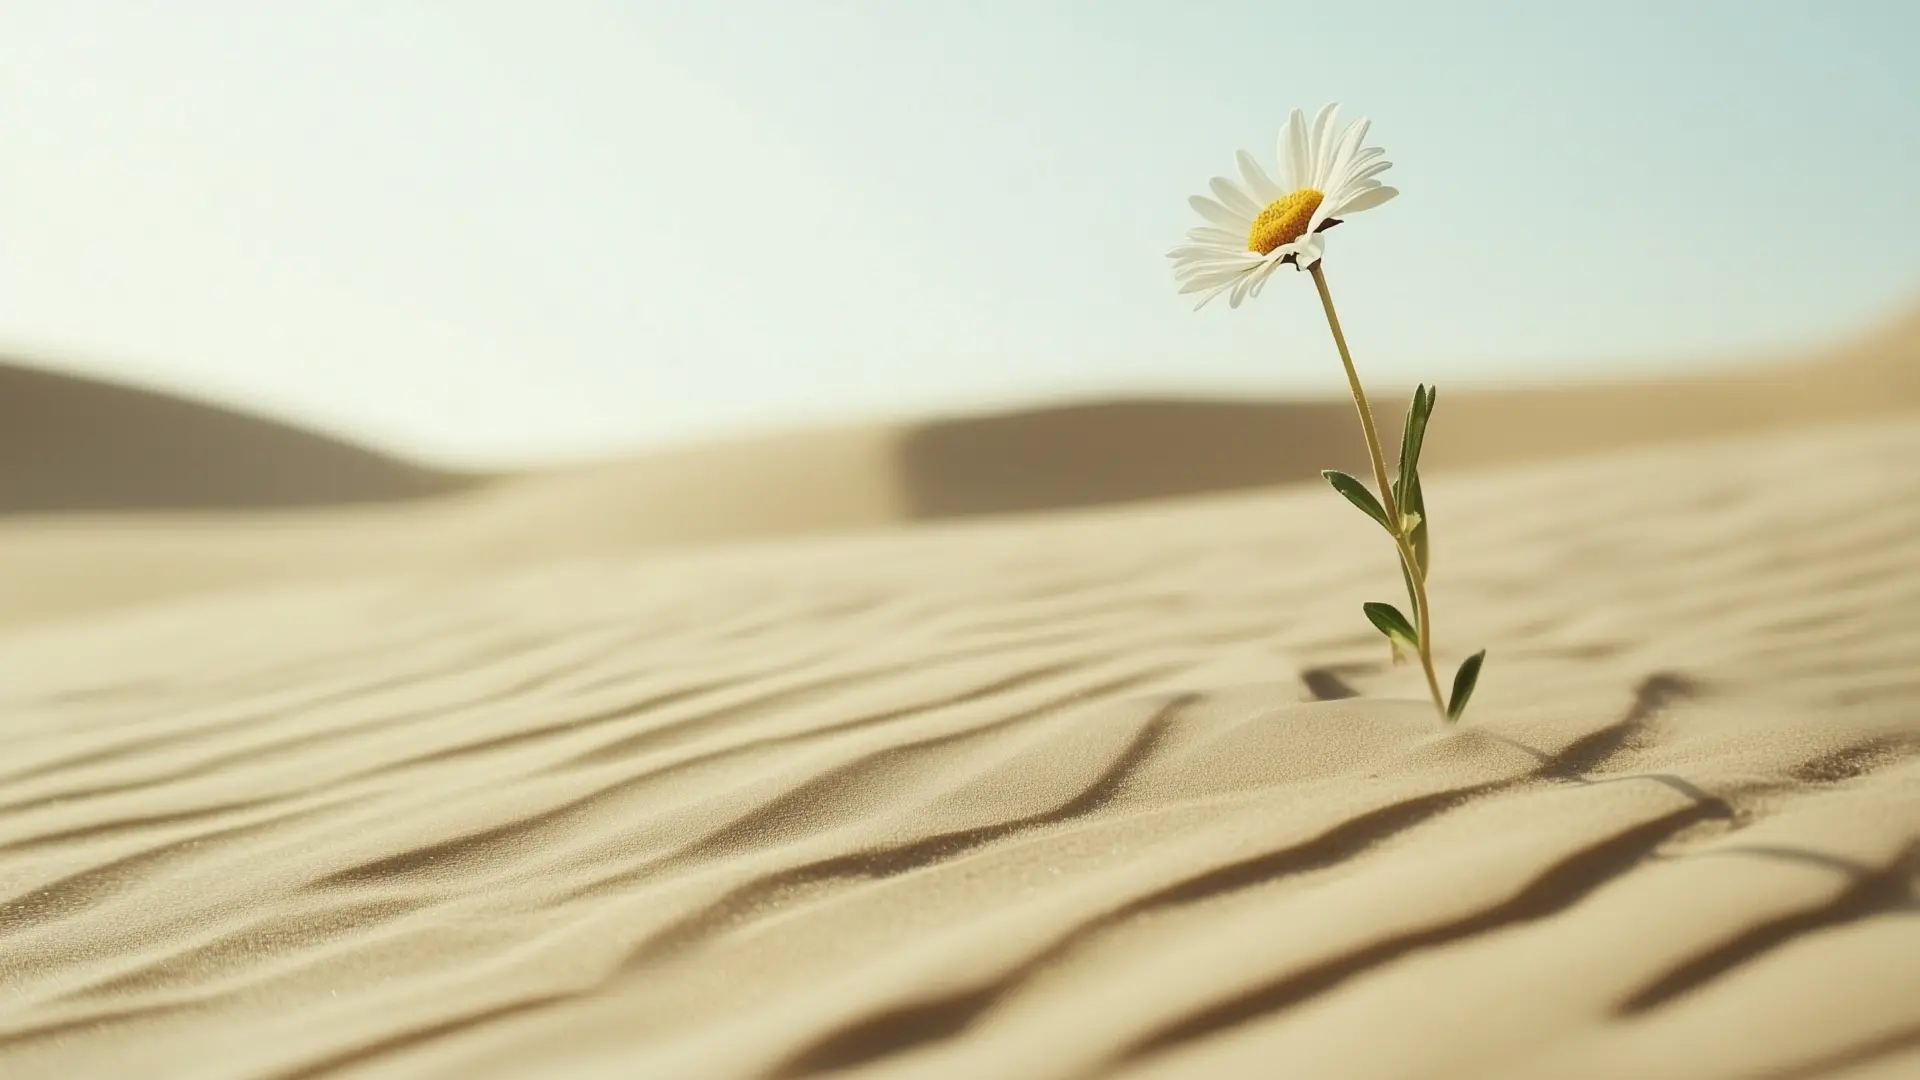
(1366, 154)
(1360, 176)
(1367, 158)
(1205, 300)
(1218, 214)
(1261, 275)
(1193, 268)
(1337, 197)
(1336, 165)
(1305, 251)
(1241, 257)
(1262, 185)
(1208, 268)
(1293, 150)
(1202, 276)
(1207, 251)
(1218, 240)
(1320, 214)
(1239, 291)
(1210, 281)
(1235, 256)
(1187, 261)
(1312, 247)
(1333, 185)
(1210, 234)
(1231, 197)
(1185, 255)
(1206, 264)
(1322, 145)
(1365, 199)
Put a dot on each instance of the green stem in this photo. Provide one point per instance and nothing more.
(1421, 612)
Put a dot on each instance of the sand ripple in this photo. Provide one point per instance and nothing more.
(1124, 793)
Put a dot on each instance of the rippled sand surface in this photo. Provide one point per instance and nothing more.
(1126, 792)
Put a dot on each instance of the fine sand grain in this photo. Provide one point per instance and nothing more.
(1124, 792)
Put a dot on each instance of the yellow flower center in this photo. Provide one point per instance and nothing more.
(1283, 221)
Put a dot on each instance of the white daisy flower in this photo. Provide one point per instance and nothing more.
(1254, 226)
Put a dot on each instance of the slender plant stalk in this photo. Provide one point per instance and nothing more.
(1422, 613)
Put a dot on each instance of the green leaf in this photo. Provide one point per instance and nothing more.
(1388, 620)
(1416, 503)
(1357, 494)
(1400, 635)
(1416, 506)
(1413, 435)
(1463, 683)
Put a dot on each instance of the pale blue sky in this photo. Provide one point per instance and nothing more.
(491, 232)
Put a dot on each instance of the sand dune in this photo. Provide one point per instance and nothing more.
(1088, 454)
(76, 445)
(1126, 792)
(859, 477)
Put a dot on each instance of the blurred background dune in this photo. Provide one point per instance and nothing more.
(71, 444)
(1089, 454)
(115, 495)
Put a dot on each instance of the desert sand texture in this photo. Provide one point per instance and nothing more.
(1118, 791)
(110, 497)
